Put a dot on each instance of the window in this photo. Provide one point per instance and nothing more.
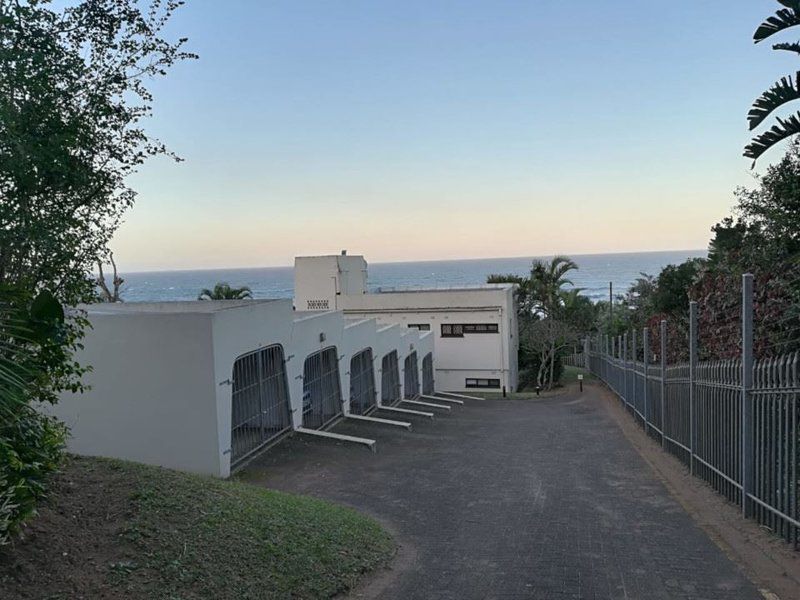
(420, 326)
(459, 330)
(483, 383)
(452, 331)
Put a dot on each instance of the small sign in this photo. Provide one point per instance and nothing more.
(580, 377)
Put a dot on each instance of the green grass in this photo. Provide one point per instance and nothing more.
(200, 537)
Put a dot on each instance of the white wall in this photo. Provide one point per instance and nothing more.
(357, 336)
(152, 392)
(320, 281)
(241, 331)
(388, 338)
(485, 355)
(306, 331)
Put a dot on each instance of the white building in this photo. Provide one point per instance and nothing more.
(203, 386)
(475, 328)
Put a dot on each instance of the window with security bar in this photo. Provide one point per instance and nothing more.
(390, 379)
(427, 374)
(259, 401)
(411, 377)
(322, 394)
(362, 383)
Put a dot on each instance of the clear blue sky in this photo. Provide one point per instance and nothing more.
(413, 130)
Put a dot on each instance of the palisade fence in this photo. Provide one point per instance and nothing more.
(734, 423)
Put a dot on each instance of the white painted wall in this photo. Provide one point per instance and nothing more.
(456, 359)
(307, 330)
(357, 336)
(389, 337)
(157, 393)
(319, 281)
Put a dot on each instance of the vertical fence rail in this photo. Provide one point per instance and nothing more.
(733, 422)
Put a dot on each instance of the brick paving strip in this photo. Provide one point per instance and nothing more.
(544, 499)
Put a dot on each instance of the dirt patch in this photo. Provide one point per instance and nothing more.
(75, 543)
(766, 559)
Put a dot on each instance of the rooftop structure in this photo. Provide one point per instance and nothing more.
(474, 327)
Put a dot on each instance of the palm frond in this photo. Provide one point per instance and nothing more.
(793, 4)
(761, 143)
(783, 19)
(779, 94)
(788, 46)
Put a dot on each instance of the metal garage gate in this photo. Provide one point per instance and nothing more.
(390, 379)
(362, 383)
(322, 393)
(427, 374)
(411, 377)
(259, 401)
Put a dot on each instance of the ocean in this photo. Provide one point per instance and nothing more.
(593, 276)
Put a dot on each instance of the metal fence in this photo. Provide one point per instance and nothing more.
(733, 422)
(362, 383)
(259, 402)
(390, 379)
(576, 359)
(322, 393)
(411, 377)
(427, 374)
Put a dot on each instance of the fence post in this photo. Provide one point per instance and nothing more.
(747, 384)
(646, 351)
(692, 375)
(625, 366)
(586, 354)
(663, 379)
(633, 366)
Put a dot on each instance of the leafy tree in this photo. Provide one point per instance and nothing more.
(223, 291)
(73, 95)
(671, 293)
(781, 92)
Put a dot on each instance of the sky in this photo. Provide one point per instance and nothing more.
(437, 130)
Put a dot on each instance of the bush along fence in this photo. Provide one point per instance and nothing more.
(734, 422)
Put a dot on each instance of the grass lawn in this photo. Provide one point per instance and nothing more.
(115, 529)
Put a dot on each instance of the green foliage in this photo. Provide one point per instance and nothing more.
(671, 294)
(223, 291)
(73, 94)
(551, 318)
(782, 92)
(32, 338)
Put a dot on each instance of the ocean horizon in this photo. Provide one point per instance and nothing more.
(593, 276)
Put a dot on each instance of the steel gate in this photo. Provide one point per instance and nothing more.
(259, 401)
(411, 377)
(390, 379)
(322, 393)
(362, 383)
(427, 374)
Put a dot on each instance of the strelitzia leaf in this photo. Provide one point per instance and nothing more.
(783, 19)
(761, 143)
(789, 47)
(779, 94)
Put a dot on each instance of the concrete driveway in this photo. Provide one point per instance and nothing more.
(537, 499)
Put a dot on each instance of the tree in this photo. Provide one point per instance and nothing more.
(73, 95)
(223, 291)
(109, 295)
(781, 92)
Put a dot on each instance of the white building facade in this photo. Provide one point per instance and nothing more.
(474, 329)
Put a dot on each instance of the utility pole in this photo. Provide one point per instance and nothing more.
(610, 305)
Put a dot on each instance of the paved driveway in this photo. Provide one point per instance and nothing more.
(515, 499)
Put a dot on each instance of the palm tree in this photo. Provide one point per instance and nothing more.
(782, 91)
(547, 280)
(223, 291)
